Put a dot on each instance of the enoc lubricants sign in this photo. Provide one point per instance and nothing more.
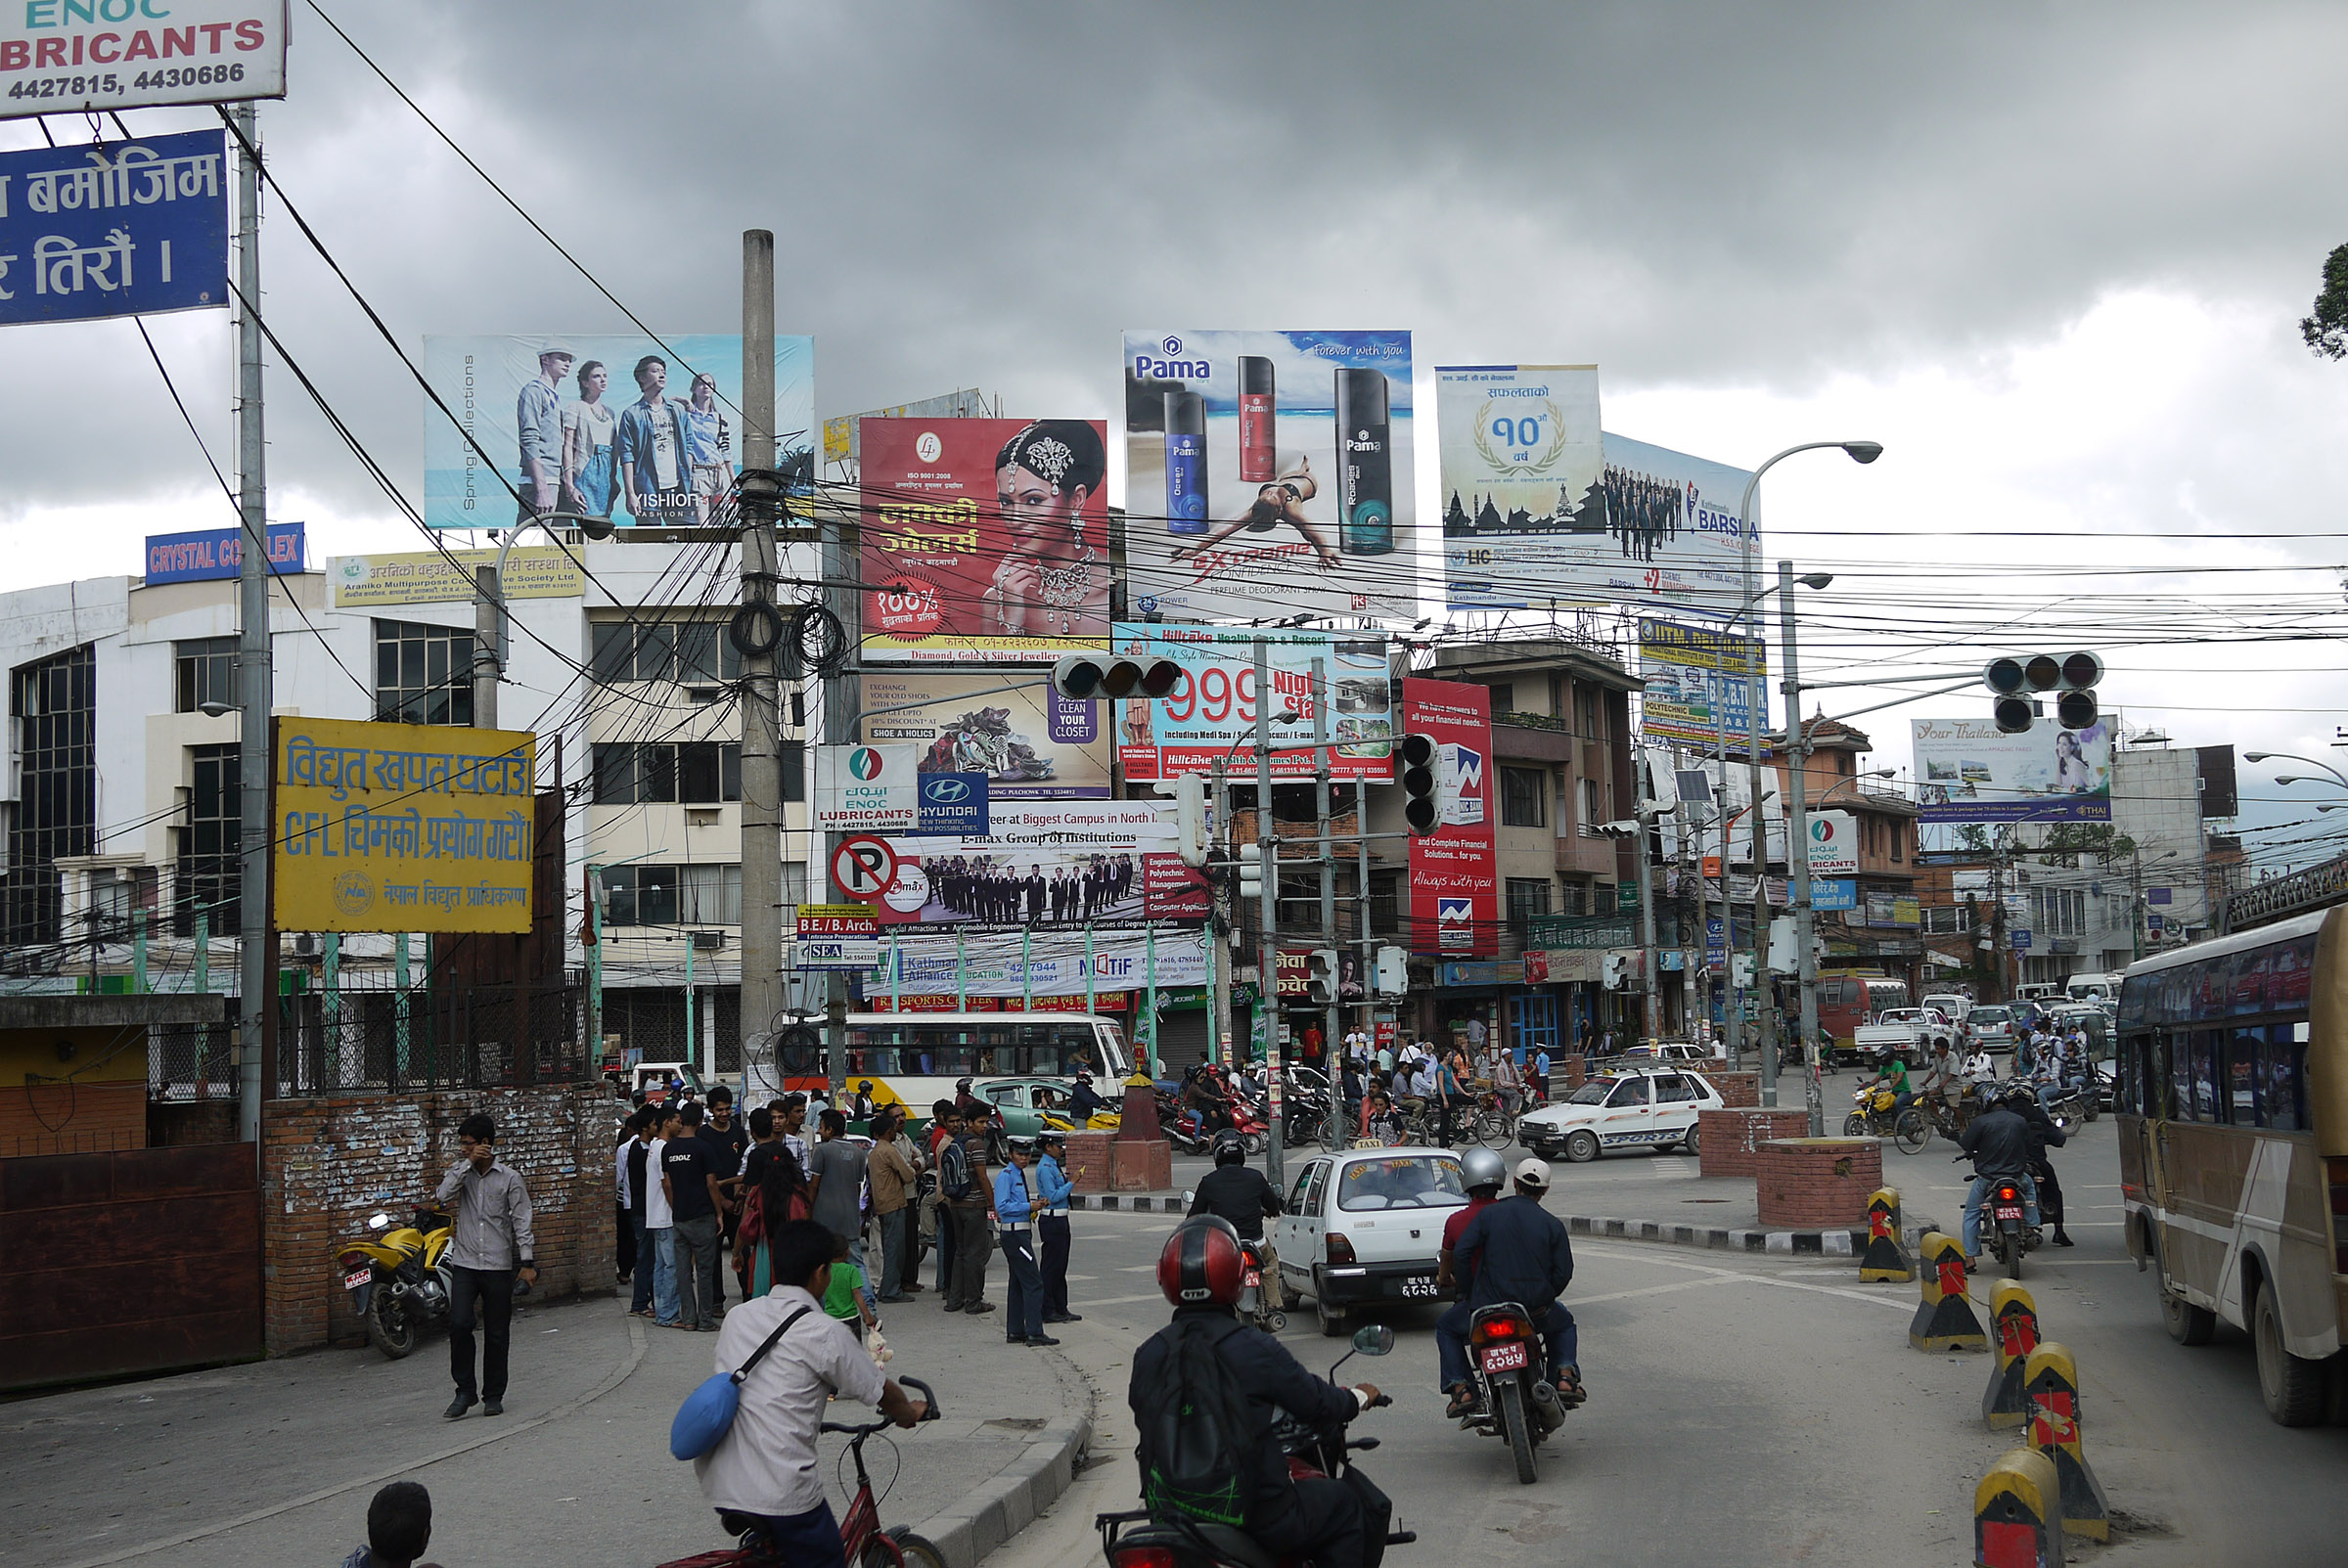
(872, 789)
(88, 56)
(1455, 878)
(402, 826)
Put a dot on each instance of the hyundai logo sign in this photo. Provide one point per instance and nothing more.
(945, 790)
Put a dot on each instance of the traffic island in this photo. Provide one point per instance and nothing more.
(1727, 1140)
(1817, 1181)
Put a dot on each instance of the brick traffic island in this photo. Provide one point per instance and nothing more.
(1727, 1140)
(1816, 1183)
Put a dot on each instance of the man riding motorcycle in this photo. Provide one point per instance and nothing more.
(1335, 1523)
(1237, 1192)
(2044, 1134)
(1521, 1253)
(1482, 1172)
(2002, 1145)
(1083, 1101)
(1199, 1093)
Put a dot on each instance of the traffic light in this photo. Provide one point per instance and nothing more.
(1614, 970)
(1321, 976)
(2075, 675)
(1189, 818)
(1393, 972)
(1421, 805)
(1741, 969)
(1252, 871)
(1090, 675)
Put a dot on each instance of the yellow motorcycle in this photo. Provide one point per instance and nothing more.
(1102, 1121)
(398, 1278)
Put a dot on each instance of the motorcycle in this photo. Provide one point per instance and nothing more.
(2005, 1231)
(1247, 1120)
(398, 1278)
(1872, 1117)
(1252, 1307)
(1186, 1129)
(1518, 1403)
(1142, 1540)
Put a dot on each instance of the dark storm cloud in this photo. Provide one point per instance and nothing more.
(985, 194)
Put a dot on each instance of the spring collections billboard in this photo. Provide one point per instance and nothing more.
(620, 425)
(1966, 771)
(1212, 711)
(983, 540)
(1269, 472)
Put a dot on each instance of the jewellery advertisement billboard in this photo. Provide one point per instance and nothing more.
(1268, 472)
(984, 541)
(1212, 711)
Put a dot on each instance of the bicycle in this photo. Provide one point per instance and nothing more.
(866, 1545)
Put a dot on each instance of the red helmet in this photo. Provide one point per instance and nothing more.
(1200, 1265)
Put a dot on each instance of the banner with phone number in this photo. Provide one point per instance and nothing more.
(1212, 711)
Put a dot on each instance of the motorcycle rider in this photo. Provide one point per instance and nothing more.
(2044, 1134)
(1482, 1172)
(1083, 1101)
(2001, 1143)
(1521, 1253)
(1200, 1093)
(1237, 1192)
(1335, 1523)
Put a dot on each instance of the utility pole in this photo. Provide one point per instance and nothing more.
(1329, 881)
(1268, 955)
(1797, 842)
(1219, 951)
(838, 566)
(1650, 997)
(254, 760)
(486, 607)
(762, 708)
(1732, 1014)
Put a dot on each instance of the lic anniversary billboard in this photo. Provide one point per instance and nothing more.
(1455, 878)
(617, 426)
(1268, 472)
(983, 541)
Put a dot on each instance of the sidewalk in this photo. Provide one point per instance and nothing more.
(275, 1462)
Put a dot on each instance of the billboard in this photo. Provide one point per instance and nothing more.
(1967, 772)
(215, 555)
(865, 788)
(983, 540)
(401, 827)
(611, 425)
(1692, 674)
(1455, 880)
(841, 443)
(1049, 864)
(1212, 712)
(85, 57)
(1030, 742)
(1268, 472)
(1520, 465)
(134, 228)
(1044, 964)
(1658, 529)
(429, 577)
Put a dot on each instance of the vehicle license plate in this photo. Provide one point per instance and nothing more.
(2009, 1212)
(1505, 1358)
(1254, 1278)
(1418, 1288)
(357, 1277)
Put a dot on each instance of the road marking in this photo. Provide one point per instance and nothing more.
(1660, 1290)
(1895, 1303)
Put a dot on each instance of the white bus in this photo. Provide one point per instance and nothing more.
(915, 1058)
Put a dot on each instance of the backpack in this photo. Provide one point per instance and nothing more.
(953, 1171)
(1195, 1450)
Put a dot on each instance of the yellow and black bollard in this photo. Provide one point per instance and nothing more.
(1944, 1320)
(2013, 1321)
(2050, 1382)
(2018, 1513)
(1884, 1258)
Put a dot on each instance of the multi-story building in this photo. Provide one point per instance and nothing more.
(1883, 930)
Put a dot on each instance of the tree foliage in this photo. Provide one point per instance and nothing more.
(2327, 331)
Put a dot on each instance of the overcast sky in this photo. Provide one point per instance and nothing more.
(2052, 256)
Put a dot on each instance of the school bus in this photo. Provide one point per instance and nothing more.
(2233, 1101)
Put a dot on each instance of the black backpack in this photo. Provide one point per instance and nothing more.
(1194, 1441)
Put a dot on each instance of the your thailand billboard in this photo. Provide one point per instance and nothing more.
(1966, 771)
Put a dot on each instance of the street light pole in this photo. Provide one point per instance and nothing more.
(1797, 844)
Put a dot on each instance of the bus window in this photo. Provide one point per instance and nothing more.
(2282, 1095)
(2294, 966)
(2241, 1074)
(2135, 1057)
(2203, 1057)
(2180, 1075)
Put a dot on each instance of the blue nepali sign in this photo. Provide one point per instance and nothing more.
(953, 804)
(1831, 893)
(210, 554)
(122, 229)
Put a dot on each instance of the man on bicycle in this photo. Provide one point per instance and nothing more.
(762, 1475)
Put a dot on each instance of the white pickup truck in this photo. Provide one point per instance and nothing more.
(1910, 1032)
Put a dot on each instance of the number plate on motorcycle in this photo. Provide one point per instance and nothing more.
(1504, 1358)
(1418, 1288)
(1254, 1279)
(357, 1277)
(2006, 1212)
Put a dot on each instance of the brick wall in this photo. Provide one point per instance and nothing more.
(329, 1163)
(1727, 1139)
(1816, 1183)
(179, 1123)
(1088, 1161)
(1738, 1089)
(73, 1118)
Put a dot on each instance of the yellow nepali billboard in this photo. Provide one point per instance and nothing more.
(402, 826)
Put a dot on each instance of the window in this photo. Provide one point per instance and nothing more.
(1673, 1090)
(54, 705)
(1404, 1182)
(206, 672)
(641, 895)
(423, 674)
(694, 653)
(1504, 697)
(209, 874)
(1385, 900)
(1303, 1180)
(1630, 1092)
(2281, 1079)
(1947, 921)
(1591, 815)
(1523, 797)
(1899, 840)
(695, 773)
(711, 895)
(1528, 896)
(1586, 713)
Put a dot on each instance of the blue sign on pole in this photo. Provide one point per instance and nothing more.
(953, 804)
(120, 229)
(2021, 941)
(210, 554)
(1831, 893)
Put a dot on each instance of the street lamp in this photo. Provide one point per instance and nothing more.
(2336, 777)
(489, 606)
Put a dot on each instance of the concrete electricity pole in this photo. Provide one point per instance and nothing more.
(1268, 955)
(252, 652)
(761, 709)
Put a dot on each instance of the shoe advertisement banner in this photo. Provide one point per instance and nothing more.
(618, 426)
(1212, 712)
(1030, 742)
(1268, 472)
(1455, 878)
(984, 541)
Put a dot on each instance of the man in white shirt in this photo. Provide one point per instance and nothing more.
(765, 1466)
(659, 1225)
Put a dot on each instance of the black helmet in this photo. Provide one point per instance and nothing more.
(1228, 1148)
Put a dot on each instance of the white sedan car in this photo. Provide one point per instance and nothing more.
(1651, 1108)
(1361, 1228)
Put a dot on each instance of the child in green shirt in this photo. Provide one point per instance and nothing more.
(846, 1298)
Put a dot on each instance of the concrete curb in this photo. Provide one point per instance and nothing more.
(1837, 1243)
(1011, 1499)
(1127, 1202)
